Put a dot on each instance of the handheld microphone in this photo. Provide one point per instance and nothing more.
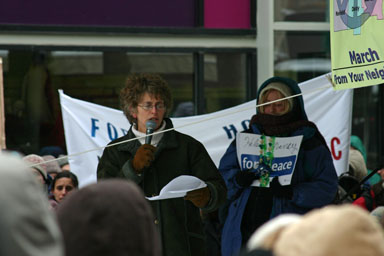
(150, 125)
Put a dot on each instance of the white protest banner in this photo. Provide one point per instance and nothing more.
(277, 154)
(90, 127)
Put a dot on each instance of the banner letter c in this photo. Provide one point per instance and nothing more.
(334, 141)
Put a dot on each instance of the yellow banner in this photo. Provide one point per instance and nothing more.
(357, 43)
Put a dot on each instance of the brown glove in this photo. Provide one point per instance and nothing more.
(143, 157)
(199, 197)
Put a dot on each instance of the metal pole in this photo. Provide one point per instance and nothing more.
(2, 118)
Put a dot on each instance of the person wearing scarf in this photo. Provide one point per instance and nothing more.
(314, 181)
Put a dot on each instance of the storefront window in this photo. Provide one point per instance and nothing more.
(32, 80)
(366, 122)
(224, 80)
(301, 10)
(302, 55)
(104, 74)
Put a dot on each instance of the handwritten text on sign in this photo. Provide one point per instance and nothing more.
(284, 153)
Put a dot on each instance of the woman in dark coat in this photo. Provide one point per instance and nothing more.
(314, 181)
(154, 164)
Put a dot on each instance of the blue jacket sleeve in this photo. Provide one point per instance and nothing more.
(316, 179)
(228, 167)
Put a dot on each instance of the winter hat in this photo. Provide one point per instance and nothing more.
(267, 234)
(357, 164)
(332, 230)
(52, 166)
(51, 150)
(282, 88)
(62, 160)
(110, 217)
(38, 163)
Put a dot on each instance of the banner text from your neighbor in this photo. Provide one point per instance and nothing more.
(230, 130)
(364, 59)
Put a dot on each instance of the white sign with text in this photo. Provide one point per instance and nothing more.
(280, 152)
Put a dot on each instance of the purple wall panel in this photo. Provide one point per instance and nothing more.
(125, 13)
(227, 14)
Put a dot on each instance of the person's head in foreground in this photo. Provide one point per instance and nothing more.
(111, 217)
(332, 230)
(27, 225)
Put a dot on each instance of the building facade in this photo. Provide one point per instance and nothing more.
(213, 53)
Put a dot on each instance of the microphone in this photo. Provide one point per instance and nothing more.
(150, 125)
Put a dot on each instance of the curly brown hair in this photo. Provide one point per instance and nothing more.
(139, 84)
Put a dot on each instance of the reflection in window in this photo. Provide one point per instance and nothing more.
(224, 80)
(103, 74)
(302, 55)
(366, 121)
(75, 62)
(301, 10)
(93, 76)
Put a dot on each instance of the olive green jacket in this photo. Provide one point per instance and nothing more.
(178, 220)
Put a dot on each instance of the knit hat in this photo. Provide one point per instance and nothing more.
(51, 150)
(282, 88)
(266, 235)
(62, 160)
(357, 164)
(332, 230)
(33, 159)
(52, 166)
(110, 217)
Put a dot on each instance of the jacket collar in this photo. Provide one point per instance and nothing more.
(168, 141)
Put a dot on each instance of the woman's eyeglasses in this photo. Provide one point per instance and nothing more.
(148, 107)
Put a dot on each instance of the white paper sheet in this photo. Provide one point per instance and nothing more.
(178, 187)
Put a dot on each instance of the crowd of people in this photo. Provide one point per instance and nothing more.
(53, 175)
(239, 210)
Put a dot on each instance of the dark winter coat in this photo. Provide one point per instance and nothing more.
(314, 181)
(177, 154)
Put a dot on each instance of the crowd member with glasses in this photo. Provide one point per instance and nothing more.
(153, 165)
